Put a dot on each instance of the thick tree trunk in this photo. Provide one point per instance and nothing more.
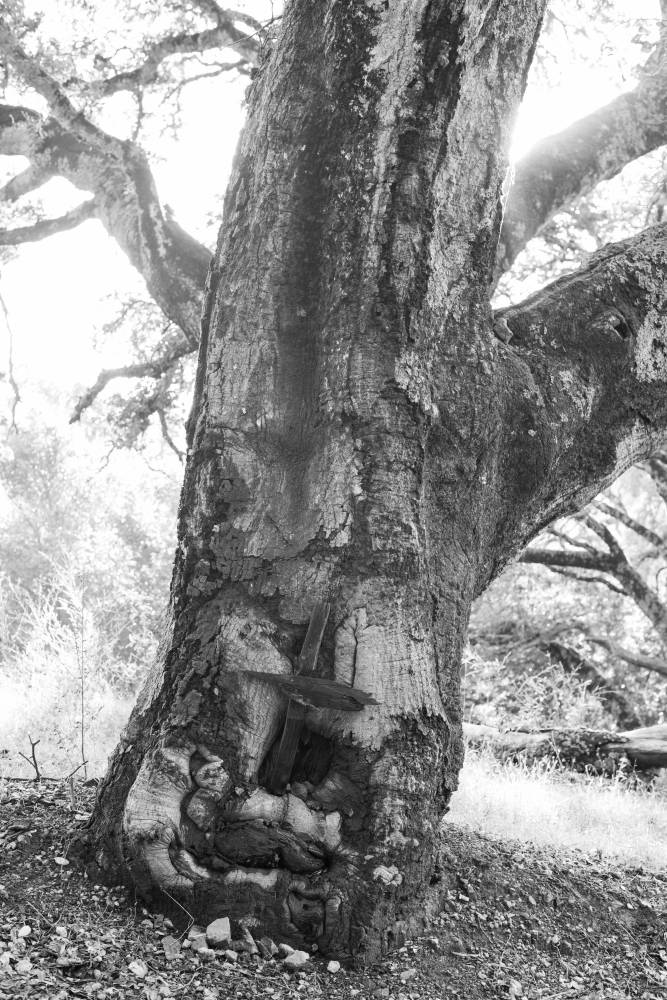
(361, 219)
(580, 749)
(359, 439)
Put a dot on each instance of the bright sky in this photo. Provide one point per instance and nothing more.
(57, 291)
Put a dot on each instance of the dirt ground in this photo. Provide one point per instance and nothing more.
(513, 922)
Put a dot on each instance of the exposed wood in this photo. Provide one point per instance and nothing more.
(317, 692)
(283, 761)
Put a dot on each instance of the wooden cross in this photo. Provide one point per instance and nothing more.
(305, 689)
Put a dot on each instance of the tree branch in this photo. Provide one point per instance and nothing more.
(581, 578)
(600, 563)
(571, 163)
(224, 35)
(173, 264)
(143, 369)
(657, 666)
(48, 227)
(639, 529)
(585, 384)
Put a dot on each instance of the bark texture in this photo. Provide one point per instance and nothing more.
(361, 439)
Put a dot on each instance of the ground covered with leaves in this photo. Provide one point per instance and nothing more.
(511, 922)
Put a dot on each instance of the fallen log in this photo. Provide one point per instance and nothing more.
(603, 752)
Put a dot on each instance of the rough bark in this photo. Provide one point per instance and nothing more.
(589, 750)
(360, 438)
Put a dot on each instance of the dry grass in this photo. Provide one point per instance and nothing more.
(552, 808)
(56, 672)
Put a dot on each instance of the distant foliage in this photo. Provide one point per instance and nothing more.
(85, 558)
(497, 695)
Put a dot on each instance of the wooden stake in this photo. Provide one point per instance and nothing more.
(283, 762)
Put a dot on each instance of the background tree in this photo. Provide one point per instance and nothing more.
(369, 445)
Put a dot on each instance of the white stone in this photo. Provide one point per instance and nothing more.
(219, 932)
(296, 960)
(198, 943)
(333, 967)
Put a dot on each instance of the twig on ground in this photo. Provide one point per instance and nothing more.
(32, 759)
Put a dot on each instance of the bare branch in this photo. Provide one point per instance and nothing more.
(24, 182)
(657, 666)
(143, 369)
(581, 578)
(48, 227)
(630, 522)
(603, 532)
(599, 562)
(164, 427)
(224, 36)
(10, 366)
(573, 543)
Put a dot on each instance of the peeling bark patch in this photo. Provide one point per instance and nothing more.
(651, 349)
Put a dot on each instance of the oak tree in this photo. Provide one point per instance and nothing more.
(369, 443)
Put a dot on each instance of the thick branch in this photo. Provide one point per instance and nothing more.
(48, 227)
(172, 263)
(600, 563)
(586, 377)
(571, 163)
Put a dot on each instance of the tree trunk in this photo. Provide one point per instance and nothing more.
(359, 439)
(580, 749)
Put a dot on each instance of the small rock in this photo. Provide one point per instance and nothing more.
(219, 932)
(267, 947)
(63, 862)
(229, 955)
(382, 991)
(61, 931)
(138, 968)
(333, 967)
(206, 954)
(171, 947)
(25, 931)
(23, 966)
(195, 931)
(249, 944)
(285, 949)
(198, 943)
(407, 975)
(296, 959)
